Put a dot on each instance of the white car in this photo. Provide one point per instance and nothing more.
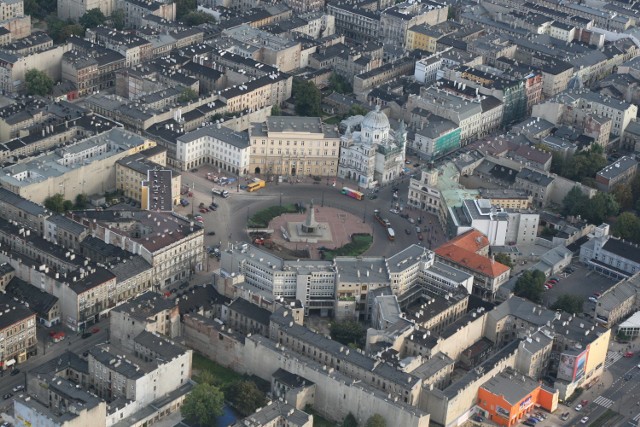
(394, 211)
(18, 388)
(579, 408)
(584, 420)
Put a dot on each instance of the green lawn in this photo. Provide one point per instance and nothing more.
(358, 245)
(318, 420)
(262, 218)
(223, 376)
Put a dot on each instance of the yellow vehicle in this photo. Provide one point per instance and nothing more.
(256, 185)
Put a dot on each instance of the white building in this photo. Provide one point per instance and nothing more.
(216, 145)
(610, 256)
(501, 226)
(375, 154)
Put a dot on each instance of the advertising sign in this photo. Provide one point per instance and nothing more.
(580, 366)
(572, 367)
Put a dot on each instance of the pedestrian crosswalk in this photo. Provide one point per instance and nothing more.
(603, 401)
(612, 357)
(636, 418)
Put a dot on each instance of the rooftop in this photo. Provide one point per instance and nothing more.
(361, 269)
(239, 140)
(12, 312)
(36, 299)
(511, 386)
(618, 167)
(252, 311)
(145, 306)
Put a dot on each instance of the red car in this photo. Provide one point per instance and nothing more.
(95, 330)
(203, 210)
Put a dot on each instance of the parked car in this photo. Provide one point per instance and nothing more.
(412, 221)
(584, 420)
(579, 407)
(593, 299)
(18, 388)
(565, 416)
(584, 402)
(86, 335)
(628, 354)
(211, 233)
(394, 211)
(15, 371)
(7, 396)
(183, 285)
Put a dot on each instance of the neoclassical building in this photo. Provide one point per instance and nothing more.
(375, 154)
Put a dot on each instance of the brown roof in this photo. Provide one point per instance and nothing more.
(463, 250)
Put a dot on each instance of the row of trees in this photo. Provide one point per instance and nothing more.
(58, 204)
(595, 210)
(582, 167)
(376, 420)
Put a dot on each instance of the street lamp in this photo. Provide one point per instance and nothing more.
(322, 201)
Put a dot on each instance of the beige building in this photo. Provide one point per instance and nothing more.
(74, 9)
(17, 332)
(263, 46)
(295, 146)
(85, 167)
(13, 68)
(132, 172)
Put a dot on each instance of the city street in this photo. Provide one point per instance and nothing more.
(229, 222)
(72, 342)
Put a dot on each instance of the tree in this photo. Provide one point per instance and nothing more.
(585, 164)
(245, 397)
(350, 421)
(530, 285)
(623, 195)
(38, 82)
(55, 203)
(276, 111)
(504, 258)
(307, 98)
(184, 7)
(595, 210)
(39, 9)
(92, 18)
(118, 19)
(340, 84)
(627, 226)
(195, 18)
(569, 303)
(67, 205)
(376, 420)
(81, 201)
(357, 110)
(348, 332)
(203, 405)
(187, 95)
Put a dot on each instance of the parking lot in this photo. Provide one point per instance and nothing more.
(583, 282)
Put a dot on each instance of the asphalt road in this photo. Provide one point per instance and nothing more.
(230, 220)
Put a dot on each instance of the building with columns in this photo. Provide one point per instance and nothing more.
(293, 146)
(374, 155)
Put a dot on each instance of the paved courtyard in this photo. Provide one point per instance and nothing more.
(342, 225)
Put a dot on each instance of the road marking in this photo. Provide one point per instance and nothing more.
(636, 418)
(603, 401)
(612, 357)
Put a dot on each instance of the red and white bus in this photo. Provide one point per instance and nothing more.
(352, 193)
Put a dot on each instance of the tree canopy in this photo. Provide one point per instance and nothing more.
(582, 165)
(339, 84)
(348, 332)
(504, 258)
(203, 405)
(530, 285)
(39, 9)
(595, 210)
(184, 7)
(349, 421)
(60, 30)
(195, 18)
(38, 82)
(376, 420)
(92, 18)
(118, 19)
(55, 203)
(187, 95)
(627, 226)
(569, 303)
(307, 98)
(245, 397)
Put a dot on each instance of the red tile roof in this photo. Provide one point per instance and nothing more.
(472, 240)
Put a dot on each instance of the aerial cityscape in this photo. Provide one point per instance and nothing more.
(315, 213)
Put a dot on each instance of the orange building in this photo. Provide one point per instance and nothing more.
(509, 398)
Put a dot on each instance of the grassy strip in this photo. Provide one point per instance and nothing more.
(222, 376)
(318, 420)
(358, 245)
(262, 218)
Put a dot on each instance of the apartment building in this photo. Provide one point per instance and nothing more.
(217, 145)
(171, 244)
(294, 146)
(396, 20)
(133, 178)
(149, 312)
(467, 254)
(620, 172)
(302, 6)
(610, 256)
(618, 302)
(572, 106)
(263, 46)
(16, 208)
(135, 49)
(18, 332)
(136, 10)
(262, 92)
(74, 9)
(85, 167)
(355, 22)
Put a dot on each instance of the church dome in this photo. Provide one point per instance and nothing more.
(375, 120)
